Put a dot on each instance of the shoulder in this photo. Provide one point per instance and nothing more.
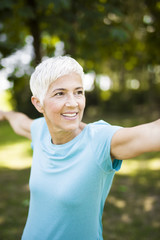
(37, 126)
(102, 128)
(100, 134)
(38, 122)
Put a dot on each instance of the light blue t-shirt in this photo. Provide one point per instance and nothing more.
(69, 183)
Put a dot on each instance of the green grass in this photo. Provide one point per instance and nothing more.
(15, 151)
(131, 211)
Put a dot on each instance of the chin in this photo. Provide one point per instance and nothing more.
(71, 126)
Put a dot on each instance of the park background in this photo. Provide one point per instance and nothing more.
(118, 44)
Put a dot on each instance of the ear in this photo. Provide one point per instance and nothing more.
(36, 102)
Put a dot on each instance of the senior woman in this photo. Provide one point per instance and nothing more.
(73, 163)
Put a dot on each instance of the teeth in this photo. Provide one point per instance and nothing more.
(69, 114)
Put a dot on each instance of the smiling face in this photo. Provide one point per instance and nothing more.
(64, 105)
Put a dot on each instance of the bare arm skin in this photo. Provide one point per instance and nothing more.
(131, 142)
(20, 122)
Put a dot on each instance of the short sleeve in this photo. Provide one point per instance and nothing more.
(102, 134)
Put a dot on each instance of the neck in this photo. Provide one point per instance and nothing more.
(62, 137)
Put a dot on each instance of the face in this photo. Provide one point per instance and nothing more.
(64, 103)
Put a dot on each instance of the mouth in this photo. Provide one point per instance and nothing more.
(70, 115)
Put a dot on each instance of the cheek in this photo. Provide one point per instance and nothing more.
(54, 107)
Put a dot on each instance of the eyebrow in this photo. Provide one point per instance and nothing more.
(64, 89)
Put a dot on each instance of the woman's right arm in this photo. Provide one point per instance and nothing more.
(20, 123)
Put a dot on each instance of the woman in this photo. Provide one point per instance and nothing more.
(73, 163)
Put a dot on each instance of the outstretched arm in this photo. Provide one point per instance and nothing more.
(20, 122)
(131, 142)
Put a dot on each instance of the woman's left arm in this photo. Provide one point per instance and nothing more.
(130, 142)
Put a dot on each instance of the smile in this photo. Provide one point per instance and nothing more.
(70, 115)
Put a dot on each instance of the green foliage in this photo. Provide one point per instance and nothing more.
(5, 99)
(22, 94)
(100, 34)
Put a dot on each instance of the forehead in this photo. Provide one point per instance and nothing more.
(67, 81)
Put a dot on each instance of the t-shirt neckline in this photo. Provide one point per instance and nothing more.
(69, 143)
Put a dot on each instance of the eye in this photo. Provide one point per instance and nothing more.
(59, 94)
(80, 92)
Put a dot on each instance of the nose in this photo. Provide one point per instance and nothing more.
(71, 101)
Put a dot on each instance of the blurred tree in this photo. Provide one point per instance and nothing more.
(100, 34)
(152, 25)
(9, 39)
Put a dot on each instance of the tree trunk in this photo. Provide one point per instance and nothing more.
(33, 24)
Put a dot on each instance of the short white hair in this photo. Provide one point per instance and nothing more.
(49, 70)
